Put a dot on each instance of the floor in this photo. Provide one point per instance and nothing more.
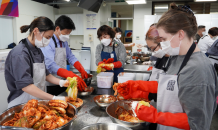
(214, 123)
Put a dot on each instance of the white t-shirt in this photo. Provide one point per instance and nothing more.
(205, 43)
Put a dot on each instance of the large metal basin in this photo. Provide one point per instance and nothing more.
(128, 106)
(136, 68)
(105, 126)
(9, 114)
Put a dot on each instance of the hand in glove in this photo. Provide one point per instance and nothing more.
(150, 114)
(60, 98)
(64, 83)
(80, 68)
(65, 73)
(111, 66)
(130, 88)
(150, 68)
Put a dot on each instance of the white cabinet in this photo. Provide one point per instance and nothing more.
(78, 21)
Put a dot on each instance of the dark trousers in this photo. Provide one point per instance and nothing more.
(55, 90)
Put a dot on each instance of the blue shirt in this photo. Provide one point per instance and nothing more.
(49, 54)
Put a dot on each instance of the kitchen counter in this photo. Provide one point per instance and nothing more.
(89, 113)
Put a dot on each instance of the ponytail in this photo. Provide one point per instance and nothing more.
(24, 28)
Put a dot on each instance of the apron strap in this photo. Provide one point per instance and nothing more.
(102, 47)
(54, 41)
(187, 57)
(28, 48)
(114, 47)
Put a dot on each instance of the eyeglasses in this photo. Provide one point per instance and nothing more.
(149, 49)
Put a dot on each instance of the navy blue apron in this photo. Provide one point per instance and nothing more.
(106, 55)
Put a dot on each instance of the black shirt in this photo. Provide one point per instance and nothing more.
(18, 68)
(197, 37)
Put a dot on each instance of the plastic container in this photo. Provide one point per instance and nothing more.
(105, 79)
(123, 77)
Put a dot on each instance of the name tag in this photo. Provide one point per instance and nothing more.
(112, 55)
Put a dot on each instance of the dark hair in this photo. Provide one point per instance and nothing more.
(42, 23)
(201, 26)
(117, 30)
(179, 18)
(65, 22)
(106, 30)
(154, 24)
(153, 35)
(213, 31)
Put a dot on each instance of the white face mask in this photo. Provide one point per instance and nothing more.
(43, 43)
(106, 42)
(64, 38)
(203, 33)
(159, 54)
(119, 36)
(167, 49)
(214, 38)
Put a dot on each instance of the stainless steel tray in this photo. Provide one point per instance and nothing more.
(105, 126)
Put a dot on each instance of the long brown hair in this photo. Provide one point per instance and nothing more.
(179, 18)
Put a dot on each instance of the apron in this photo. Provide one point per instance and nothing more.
(167, 95)
(60, 59)
(106, 55)
(39, 78)
(213, 59)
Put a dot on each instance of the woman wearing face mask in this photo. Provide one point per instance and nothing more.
(118, 35)
(207, 40)
(186, 93)
(153, 44)
(25, 71)
(58, 54)
(110, 49)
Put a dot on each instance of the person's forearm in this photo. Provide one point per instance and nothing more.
(50, 78)
(36, 92)
(126, 45)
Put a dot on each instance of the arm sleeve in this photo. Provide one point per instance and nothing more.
(98, 54)
(70, 56)
(21, 70)
(121, 54)
(49, 54)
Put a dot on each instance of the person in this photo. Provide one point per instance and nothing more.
(207, 40)
(118, 35)
(213, 52)
(58, 54)
(200, 33)
(110, 49)
(186, 93)
(25, 72)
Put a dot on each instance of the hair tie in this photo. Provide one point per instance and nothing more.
(185, 8)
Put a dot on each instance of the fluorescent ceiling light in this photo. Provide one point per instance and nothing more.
(136, 2)
(68, 0)
(160, 7)
(204, 0)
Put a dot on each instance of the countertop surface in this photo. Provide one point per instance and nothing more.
(89, 113)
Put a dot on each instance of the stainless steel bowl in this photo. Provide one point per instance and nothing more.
(88, 80)
(128, 106)
(87, 93)
(104, 100)
(105, 126)
(9, 114)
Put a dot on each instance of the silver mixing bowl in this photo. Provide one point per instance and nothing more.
(105, 126)
(86, 93)
(104, 100)
(128, 106)
(9, 114)
(88, 80)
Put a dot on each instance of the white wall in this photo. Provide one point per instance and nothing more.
(27, 11)
(75, 41)
(138, 21)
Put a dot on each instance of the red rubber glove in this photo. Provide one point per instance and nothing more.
(110, 60)
(102, 62)
(150, 68)
(130, 88)
(80, 68)
(150, 114)
(110, 66)
(81, 85)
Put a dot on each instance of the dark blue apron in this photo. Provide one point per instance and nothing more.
(106, 55)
